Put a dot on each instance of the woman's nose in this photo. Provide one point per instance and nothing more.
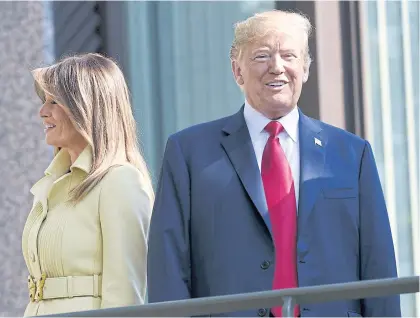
(43, 111)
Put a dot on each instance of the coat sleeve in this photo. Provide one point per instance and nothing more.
(125, 209)
(168, 268)
(376, 244)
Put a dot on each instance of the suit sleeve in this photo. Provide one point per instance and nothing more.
(376, 244)
(125, 210)
(168, 268)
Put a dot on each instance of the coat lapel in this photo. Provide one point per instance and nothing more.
(238, 146)
(40, 191)
(312, 159)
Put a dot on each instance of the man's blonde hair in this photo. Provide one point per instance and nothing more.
(262, 24)
(94, 90)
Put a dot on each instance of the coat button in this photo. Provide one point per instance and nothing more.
(32, 257)
(264, 265)
(262, 312)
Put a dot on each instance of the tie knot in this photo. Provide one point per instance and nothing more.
(273, 128)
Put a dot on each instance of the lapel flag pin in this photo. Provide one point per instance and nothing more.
(318, 142)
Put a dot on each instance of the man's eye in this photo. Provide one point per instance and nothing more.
(53, 102)
(289, 55)
(262, 56)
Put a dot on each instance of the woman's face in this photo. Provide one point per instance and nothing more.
(59, 129)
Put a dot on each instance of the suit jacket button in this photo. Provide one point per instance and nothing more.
(264, 265)
(262, 312)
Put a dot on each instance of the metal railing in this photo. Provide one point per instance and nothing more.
(286, 298)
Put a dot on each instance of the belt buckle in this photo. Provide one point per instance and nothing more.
(40, 288)
(36, 288)
(32, 288)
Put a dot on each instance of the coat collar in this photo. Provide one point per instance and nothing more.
(59, 166)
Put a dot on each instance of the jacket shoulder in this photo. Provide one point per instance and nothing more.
(206, 132)
(125, 183)
(339, 134)
(122, 176)
(202, 128)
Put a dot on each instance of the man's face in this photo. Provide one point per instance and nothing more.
(271, 71)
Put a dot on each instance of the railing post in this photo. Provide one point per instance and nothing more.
(288, 307)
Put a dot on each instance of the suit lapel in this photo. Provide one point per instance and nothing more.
(238, 146)
(312, 158)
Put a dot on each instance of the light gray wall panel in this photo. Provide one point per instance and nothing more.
(25, 43)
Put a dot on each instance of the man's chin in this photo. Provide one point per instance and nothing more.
(281, 104)
(277, 110)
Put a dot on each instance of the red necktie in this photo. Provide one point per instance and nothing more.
(280, 195)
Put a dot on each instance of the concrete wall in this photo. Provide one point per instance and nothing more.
(23, 153)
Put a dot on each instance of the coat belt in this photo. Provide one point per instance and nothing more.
(64, 287)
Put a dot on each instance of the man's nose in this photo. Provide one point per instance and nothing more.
(277, 65)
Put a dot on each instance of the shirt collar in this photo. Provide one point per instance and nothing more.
(61, 163)
(256, 122)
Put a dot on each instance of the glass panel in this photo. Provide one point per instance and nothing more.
(397, 94)
(414, 16)
(399, 140)
(375, 84)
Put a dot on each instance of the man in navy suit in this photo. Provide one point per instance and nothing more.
(269, 198)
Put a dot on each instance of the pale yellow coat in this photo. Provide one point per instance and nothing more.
(93, 254)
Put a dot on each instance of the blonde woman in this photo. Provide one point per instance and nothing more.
(84, 241)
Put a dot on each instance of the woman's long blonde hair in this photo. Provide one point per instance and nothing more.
(93, 88)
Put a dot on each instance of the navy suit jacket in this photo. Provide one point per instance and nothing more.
(211, 235)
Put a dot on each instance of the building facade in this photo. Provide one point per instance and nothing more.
(175, 55)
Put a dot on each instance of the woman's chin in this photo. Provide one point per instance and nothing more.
(51, 142)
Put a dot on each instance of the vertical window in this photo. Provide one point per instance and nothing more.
(390, 54)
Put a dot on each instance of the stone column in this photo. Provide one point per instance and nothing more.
(25, 44)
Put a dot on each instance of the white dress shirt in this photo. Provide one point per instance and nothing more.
(289, 139)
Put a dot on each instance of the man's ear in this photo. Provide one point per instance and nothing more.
(305, 74)
(237, 72)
